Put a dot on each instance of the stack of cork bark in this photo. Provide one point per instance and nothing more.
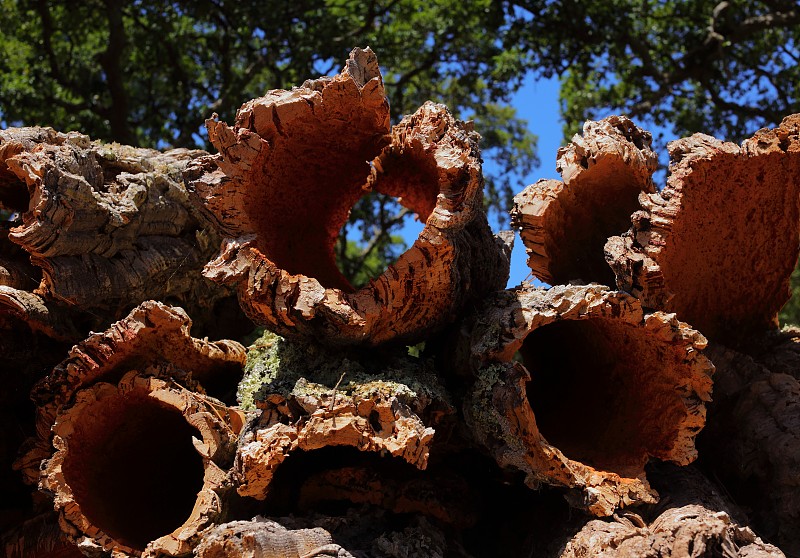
(556, 421)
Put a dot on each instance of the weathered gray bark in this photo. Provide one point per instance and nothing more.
(109, 226)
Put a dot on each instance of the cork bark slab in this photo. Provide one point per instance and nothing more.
(282, 186)
(565, 224)
(575, 386)
(140, 467)
(377, 416)
(752, 443)
(262, 538)
(108, 226)
(153, 335)
(718, 244)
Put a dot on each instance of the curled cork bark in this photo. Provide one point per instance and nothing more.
(281, 188)
(753, 443)
(262, 538)
(688, 532)
(108, 226)
(719, 243)
(596, 388)
(343, 405)
(153, 335)
(140, 468)
(565, 224)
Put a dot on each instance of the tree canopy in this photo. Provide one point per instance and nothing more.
(148, 73)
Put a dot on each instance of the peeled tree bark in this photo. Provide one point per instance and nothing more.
(153, 335)
(717, 246)
(141, 467)
(108, 226)
(565, 224)
(576, 386)
(281, 188)
(313, 399)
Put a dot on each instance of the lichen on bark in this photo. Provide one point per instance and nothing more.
(576, 386)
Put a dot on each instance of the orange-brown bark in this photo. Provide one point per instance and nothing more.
(596, 389)
(153, 335)
(376, 415)
(719, 243)
(284, 181)
(140, 467)
(565, 224)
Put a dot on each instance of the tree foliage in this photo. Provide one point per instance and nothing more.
(724, 68)
(148, 73)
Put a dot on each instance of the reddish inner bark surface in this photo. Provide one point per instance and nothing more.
(332, 479)
(603, 392)
(133, 469)
(308, 187)
(607, 197)
(733, 245)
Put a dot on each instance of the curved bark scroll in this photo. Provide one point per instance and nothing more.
(153, 335)
(596, 389)
(109, 225)
(342, 405)
(140, 467)
(282, 186)
(719, 243)
(564, 225)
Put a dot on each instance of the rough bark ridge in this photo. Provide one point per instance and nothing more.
(718, 244)
(262, 538)
(695, 524)
(140, 467)
(288, 173)
(152, 335)
(598, 389)
(752, 442)
(108, 225)
(564, 225)
(313, 399)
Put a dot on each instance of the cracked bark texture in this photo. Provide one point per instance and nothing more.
(153, 335)
(695, 524)
(281, 188)
(565, 224)
(719, 243)
(314, 399)
(141, 467)
(752, 443)
(263, 538)
(108, 226)
(576, 386)
(38, 537)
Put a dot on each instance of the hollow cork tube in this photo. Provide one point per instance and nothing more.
(576, 386)
(564, 224)
(140, 467)
(718, 245)
(281, 188)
